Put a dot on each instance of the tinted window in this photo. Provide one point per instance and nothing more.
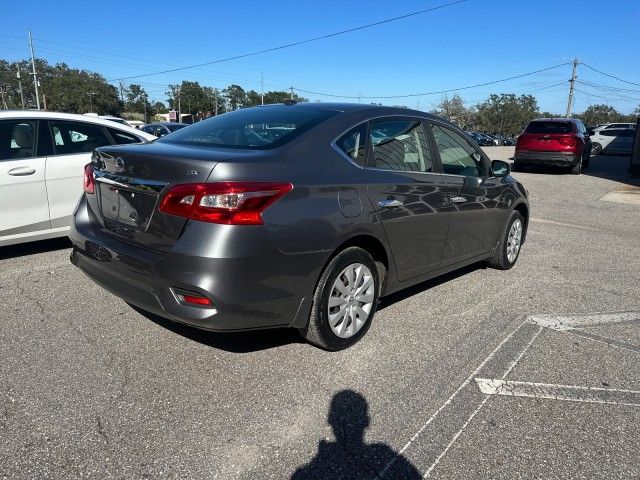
(399, 145)
(252, 128)
(173, 128)
(122, 138)
(17, 139)
(77, 137)
(354, 144)
(549, 127)
(611, 132)
(458, 157)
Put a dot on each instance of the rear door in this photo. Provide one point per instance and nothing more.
(478, 214)
(73, 143)
(411, 201)
(23, 194)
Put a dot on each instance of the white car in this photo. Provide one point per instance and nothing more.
(612, 140)
(42, 159)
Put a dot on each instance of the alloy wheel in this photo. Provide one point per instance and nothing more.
(514, 240)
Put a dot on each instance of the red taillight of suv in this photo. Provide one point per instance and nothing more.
(89, 180)
(568, 141)
(230, 203)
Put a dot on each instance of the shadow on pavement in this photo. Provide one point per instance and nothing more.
(236, 342)
(611, 167)
(32, 248)
(421, 287)
(349, 457)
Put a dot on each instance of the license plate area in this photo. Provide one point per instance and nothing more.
(127, 207)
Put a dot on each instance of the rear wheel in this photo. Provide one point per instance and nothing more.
(508, 249)
(596, 149)
(344, 301)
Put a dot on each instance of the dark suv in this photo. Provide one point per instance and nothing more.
(296, 216)
(561, 142)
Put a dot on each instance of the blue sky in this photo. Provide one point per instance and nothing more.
(469, 43)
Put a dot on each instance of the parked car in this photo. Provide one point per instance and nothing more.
(42, 157)
(161, 129)
(554, 141)
(119, 120)
(612, 140)
(222, 230)
(608, 126)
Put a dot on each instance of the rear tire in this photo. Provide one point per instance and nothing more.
(577, 168)
(347, 291)
(508, 250)
(596, 149)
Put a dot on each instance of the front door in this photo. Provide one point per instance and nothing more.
(410, 200)
(23, 194)
(478, 213)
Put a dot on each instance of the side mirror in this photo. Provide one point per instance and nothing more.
(500, 168)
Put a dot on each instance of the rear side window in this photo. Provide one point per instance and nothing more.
(399, 145)
(17, 139)
(252, 128)
(550, 127)
(77, 137)
(123, 138)
(354, 144)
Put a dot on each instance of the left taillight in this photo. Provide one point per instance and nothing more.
(230, 203)
(89, 179)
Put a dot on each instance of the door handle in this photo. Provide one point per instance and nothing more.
(389, 203)
(458, 199)
(21, 171)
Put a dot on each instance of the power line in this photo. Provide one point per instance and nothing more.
(301, 42)
(451, 90)
(611, 76)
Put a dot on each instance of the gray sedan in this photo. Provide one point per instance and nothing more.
(296, 215)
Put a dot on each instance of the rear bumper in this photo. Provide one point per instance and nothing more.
(532, 157)
(247, 291)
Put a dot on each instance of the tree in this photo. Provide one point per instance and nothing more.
(600, 114)
(454, 110)
(137, 99)
(236, 97)
(506, 114)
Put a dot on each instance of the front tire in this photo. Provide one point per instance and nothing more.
(344, 301)
(596, 149)
(508, 250)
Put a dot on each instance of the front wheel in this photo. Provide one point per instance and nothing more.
(344, 301)
(508, 249)
(596, 149)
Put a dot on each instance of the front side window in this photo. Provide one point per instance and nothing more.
(399, 145)
(17, 139)
(77, 137)
(252, 128)
(354, 144)
(457, 155)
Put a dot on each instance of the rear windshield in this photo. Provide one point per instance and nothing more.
(549, 127)
(251, 128)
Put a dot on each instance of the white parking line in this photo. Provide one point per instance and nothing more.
(570, 322)
(573, 393)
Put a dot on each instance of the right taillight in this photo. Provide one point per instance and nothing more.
(89, 179)
(231, 203)
(568, 141)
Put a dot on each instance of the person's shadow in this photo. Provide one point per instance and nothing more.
(349, 458)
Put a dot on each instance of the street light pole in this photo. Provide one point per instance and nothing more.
(20, 85)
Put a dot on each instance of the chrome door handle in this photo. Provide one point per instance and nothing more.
(21, 171)
(458, 199)
(388, 203)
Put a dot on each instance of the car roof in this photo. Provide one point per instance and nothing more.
(40, 114)
(555, 119)
(166, 123)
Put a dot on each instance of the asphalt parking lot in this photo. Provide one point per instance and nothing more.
(529, 373)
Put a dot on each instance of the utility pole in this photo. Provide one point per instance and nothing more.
(20, 85)
(291, 88)
(35, 75)
(44, 100)
(91, 94)
(179, 108)
(572, 82)
(262, 86)
(215, 103)
(122, 91)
